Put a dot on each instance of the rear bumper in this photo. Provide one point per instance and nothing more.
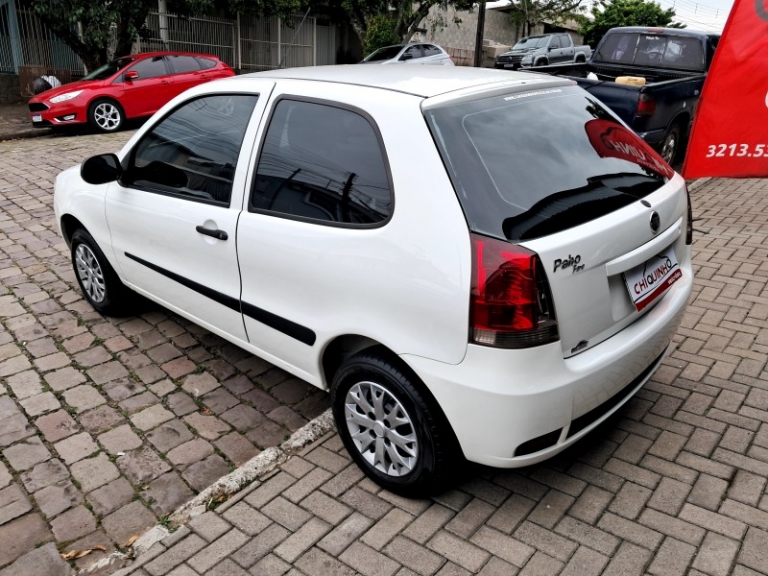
(512, 408)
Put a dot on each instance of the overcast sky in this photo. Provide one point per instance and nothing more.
(707, 15)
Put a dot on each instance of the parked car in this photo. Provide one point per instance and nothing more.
(475, 264)
(413, 53)
(670, 66)
(130, 87)
(543, 50)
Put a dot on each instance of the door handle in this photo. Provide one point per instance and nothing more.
(218, 234)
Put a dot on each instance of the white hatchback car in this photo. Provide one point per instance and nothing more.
(413, 53)
(474, 263)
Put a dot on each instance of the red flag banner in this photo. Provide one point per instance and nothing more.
(730, 130)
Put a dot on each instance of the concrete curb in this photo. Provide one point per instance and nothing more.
(27, 133)
(151, 543)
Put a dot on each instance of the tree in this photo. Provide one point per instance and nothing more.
(90, 27)
(527, 13)
(395, 19)
(610, 14)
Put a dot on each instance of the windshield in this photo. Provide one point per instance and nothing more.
(109, 70)
(386, 53)
(532, 42)
(653, 50)
(534, 163)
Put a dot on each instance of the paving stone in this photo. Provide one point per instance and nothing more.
(83, 398)
(166, 493)
(76, 447)
(26, 454)
(57, 426)
(189, 453)
(5, 476)
(260, 545)
(42, 561)
(204, 473)
(753, 549)
(106, 372)
(219, 400)
(151, 417)
(20, 536)
(209, 526)
(64, 379)
(128, 521)
(139, 402)
(181, 403)
(13, 503)
(100, 419)
(716, 555)
(267, 434)
(175, 556)
(208, 427)
(368, 561)
(55, 499)
(119, 439)
(162, 388)
(218, 550)
(169, 435)
(94, 472)
(236, 448)
(121, 389)
(142, 465)
(40, 404)
(25, 384)
(179, 367)
(73, 524)
(110, 497)
(43, 475)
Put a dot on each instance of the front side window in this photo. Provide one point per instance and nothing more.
(192, 153)
(322, 163)
(555, 42)
(109, 69)
(150, 67)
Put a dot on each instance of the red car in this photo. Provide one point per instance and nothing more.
(129, 87)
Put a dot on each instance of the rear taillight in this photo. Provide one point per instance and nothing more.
(646, 105)
(689, 225)
(510, 302)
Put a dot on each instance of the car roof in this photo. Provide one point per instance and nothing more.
(661, 30)
(168, 53)
(424, 81)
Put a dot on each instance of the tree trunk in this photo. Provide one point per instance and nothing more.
(92, 58)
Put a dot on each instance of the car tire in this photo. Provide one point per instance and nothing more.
(97, 279)
(423, 460)
(541, 62)
(670, 145)
(106, 115)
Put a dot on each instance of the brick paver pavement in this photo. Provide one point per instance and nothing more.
(107, 425)
(674, 484)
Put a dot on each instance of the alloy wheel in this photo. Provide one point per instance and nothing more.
(381, 429)
(90, 273)
(107, 116)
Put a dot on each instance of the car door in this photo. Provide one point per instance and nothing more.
(321, 184)
(186, 72)
(567, 51)
(413, 55)
(173, 215)
(149, 90)
(433, 55)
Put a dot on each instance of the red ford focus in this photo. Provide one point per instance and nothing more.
(129, 87)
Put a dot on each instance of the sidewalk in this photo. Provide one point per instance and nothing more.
(673, 484)
(15, 122)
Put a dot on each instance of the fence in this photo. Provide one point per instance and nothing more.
(26, 41)
(247, 42)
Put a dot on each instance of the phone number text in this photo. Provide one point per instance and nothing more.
(737, 151)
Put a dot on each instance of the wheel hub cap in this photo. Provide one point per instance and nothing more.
(381, 429)
(107, 116)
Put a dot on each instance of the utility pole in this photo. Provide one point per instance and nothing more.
(479, 36)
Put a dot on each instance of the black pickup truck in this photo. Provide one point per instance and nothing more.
(668, 66)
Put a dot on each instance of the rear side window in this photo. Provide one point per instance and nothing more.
(535, 163)
(206, 63)
(183, 64)
(323, 164)
(430, 50)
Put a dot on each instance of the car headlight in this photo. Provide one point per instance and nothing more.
(66, 96)
(527, 58)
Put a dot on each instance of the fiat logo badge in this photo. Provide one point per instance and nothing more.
(655, 222)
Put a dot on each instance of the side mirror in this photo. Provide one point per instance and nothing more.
(406, 57)
(552, 48)
(131, 75)
(101, 169)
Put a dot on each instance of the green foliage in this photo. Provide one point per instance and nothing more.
(380, 33)
(607, 15)
(527, 13)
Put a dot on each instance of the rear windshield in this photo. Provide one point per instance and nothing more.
(534, 163)
(652, 50)
(384, 53)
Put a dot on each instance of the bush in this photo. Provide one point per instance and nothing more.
(380, 33)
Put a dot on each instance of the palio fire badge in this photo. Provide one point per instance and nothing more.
(571, 262)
